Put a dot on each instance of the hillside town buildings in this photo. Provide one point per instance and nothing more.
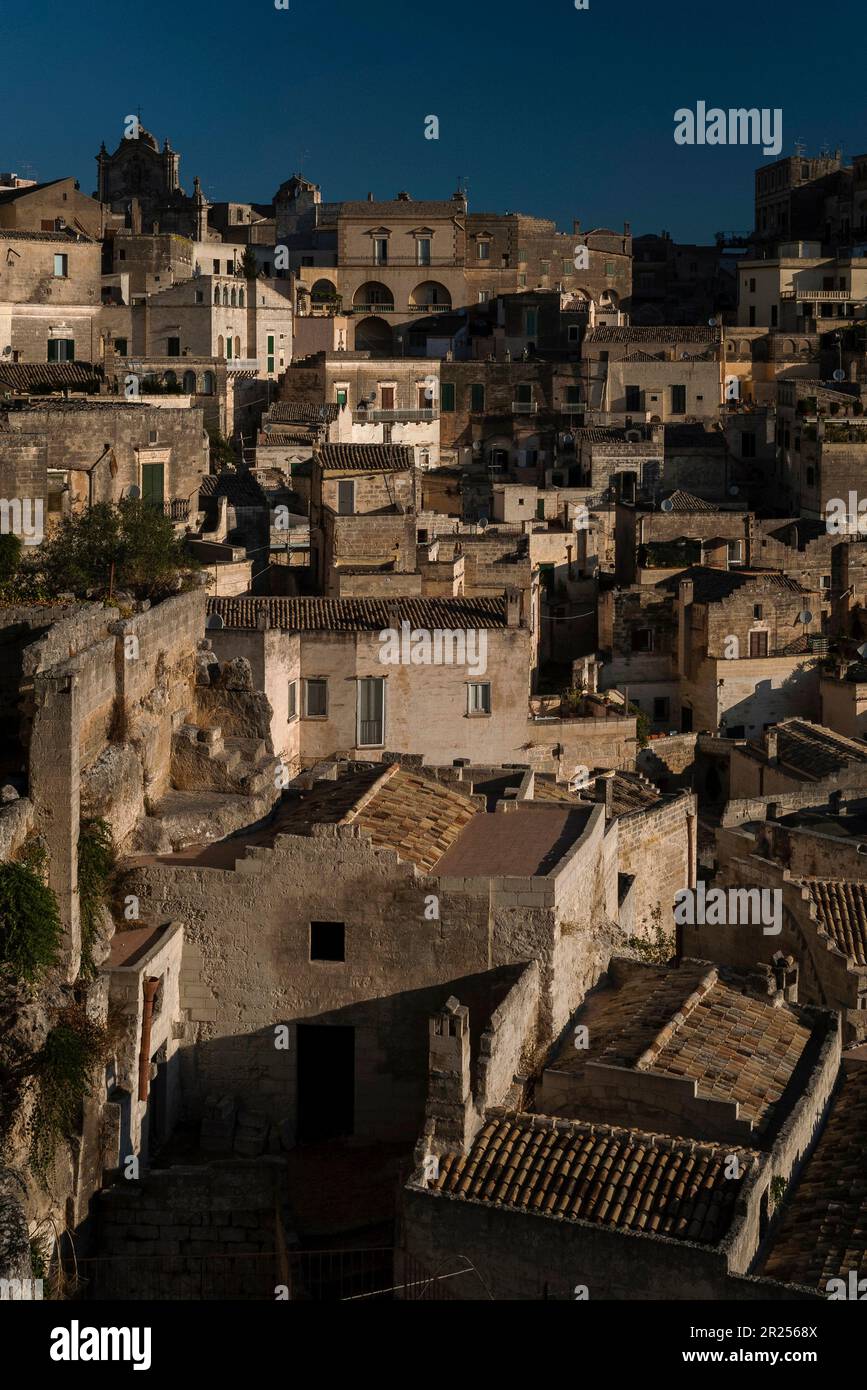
(406, 610)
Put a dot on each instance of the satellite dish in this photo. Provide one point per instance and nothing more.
(733, 491)
(568, 439)
(805, 617)
(711, 323)
(862, 650)
(839, 375)
(215, 621)
(633, 436)
(133, 491)
(667, 505)
(483, 522)
(684, 357)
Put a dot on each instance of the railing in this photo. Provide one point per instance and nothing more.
(840, 296)
(380, 417)
(430, 308)
(405, 260)
(176, 508)
(317, 1276)
(524, 407)
(372, 309)
(242, 364)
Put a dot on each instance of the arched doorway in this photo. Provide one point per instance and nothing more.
(374, 335)
(375, 296)
(430, 298)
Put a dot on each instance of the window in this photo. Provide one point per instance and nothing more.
(752, 316)
(293, 702)
(531, 326)
(216, 267)
(61, 267)
(447, 396)
(316, 698)
(748, 445)
(341, 395)
(327, 941)
(121, 255)
(61, 349)
(477, 397)
(479, 697)
(758, 644)
(483, 251)
(544, 267)
(661, 709)
(610, 268)
(642, 639)
(524, 392)
(633, 397)
(380, 250)
(208, 384)
(173, 347)
(573, 395)
(371, 711)
(484, 296)
(573, 333)
(752, 286)
(758, 610)
(825, 581)
(270, 352)
(678, 400)
(346, 497)
(120, 346)
(811, 477)
(422, 247)
(773, 316)
(736, 552)
(200, 297)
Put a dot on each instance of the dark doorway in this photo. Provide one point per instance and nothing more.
(158, 1102)
(326, 1082)
(685, 719)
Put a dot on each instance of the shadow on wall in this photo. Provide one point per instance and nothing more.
(359, 1070)
(798, 695)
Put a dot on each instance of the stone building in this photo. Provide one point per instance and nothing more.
(51, 206)
(663, 1078)
(363, 505)
(142, 182)
(50, 293)
(798, 755)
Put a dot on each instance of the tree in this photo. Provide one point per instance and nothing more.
(10, 556)
(128, 547)
(249, 264)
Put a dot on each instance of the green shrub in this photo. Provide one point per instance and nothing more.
(64, 1073)
(30, 930)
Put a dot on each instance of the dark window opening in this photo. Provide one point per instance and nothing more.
(327, 941)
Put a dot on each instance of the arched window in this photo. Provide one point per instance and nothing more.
(233, 299)
(240, 299)
(216, 294)
(221, 347)
(226, 296)
(190, 383)
(237, 347)
(170, 379)
(208, 379)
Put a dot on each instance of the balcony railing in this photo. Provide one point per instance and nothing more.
(176, 508)
(372, 309)
(524, 407)
(430, 308)
(242, 364)
(405, 260)
(385, 417)
(818, 296)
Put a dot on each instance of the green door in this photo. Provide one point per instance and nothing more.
(152, 483)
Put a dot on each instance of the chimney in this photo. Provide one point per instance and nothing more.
(603, 793)
(513, 607)
(370, 197)
(772, 747)
(450, 1099)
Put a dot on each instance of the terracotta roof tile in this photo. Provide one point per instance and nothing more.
(360, 614)
(370, 458)
(841, 912)
(623, 1179)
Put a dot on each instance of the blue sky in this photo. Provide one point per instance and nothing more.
(542, 108)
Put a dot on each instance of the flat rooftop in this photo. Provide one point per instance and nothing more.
(525, 843)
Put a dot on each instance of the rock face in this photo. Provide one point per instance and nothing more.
(113, 789)
(236, 674)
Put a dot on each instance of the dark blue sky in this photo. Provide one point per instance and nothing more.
(543, 108)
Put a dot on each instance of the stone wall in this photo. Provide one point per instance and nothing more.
(658, 846)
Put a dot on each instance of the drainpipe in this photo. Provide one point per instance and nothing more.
(150, 989)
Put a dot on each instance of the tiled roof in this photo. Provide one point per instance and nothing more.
(607, 333)
(632, 792)
(711, 585)
(685, 502)
(361, 614)
(241, 489)
(621, 1179)
(815, 751)
(823, 1231)
(418, 817)
(371, 458)
(67, 234)
(645, 357)
(601, 434)
(399, 207)
(294, 412)
(736, 1047)
(50, 376)
(91, 403)
(693, 1022)
(841, 911)
(686, 436)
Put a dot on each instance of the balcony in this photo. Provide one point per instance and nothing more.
(371, 309)
(524, 407)
(404, 261)
(242, 364)
(430, 308)
(409, 417)
(818, 296)
(176, 508)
